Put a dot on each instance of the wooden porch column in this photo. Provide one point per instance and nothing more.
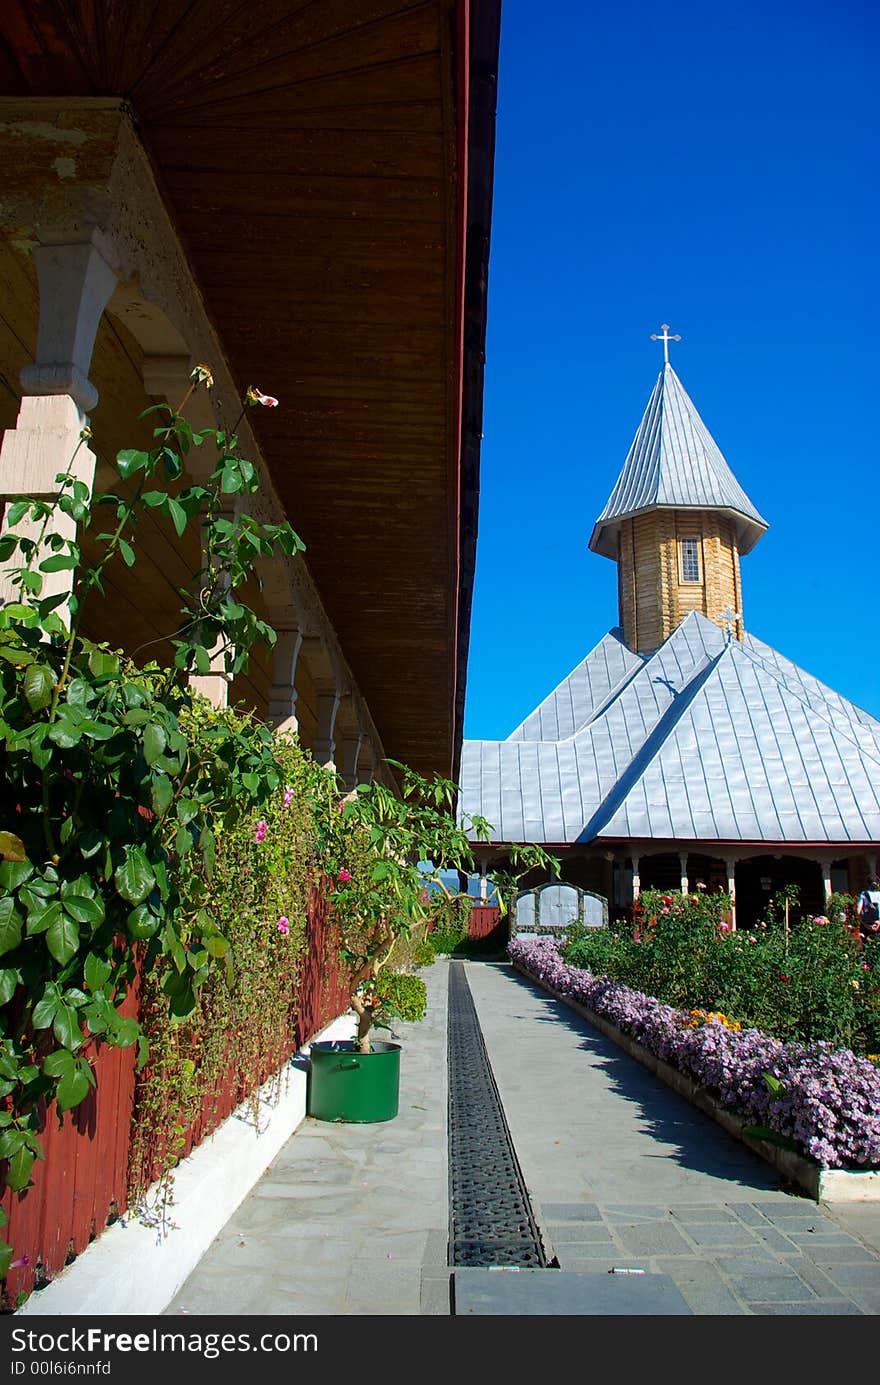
(75, 286)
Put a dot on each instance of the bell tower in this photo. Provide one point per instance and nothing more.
(677, 522)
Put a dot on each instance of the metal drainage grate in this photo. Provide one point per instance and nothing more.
(490, 1217)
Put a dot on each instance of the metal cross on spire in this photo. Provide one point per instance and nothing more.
(664, 336)
(729, 617)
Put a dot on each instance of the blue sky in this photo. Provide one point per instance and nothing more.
(716, 169)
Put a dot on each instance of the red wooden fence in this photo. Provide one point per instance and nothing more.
(486, 921)
(83, 1181)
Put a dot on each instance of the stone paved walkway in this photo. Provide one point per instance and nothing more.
(622, 1172)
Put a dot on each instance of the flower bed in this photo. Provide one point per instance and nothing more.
(827, 1101)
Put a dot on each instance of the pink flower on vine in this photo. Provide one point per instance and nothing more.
(262, 829)
(288, 795)
(23, 1260)
(425, 896)
(283, 925)
(344, 875)
(255, 396)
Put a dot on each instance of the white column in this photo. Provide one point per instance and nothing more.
(351, 750)
(636, 883)
(730, 864)
(826, 881)
(282, 696)
(366, 766)
(683, 862)
(325, 736)
(75, 285)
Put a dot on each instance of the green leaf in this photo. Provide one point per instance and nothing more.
(59, 1062)
(10, 1141)
(97, 971)
(6, 1254)
(203, 659)
(59, 562)
(155, 741)
(43, 914)
(65, 1026)
(37, 686)
(134, 878)
(216, 946)
(45, 1009)
(142, 923)
(230, 479)
(161, 794)
(84, 908)
(14, 873)
(127, 553)
(129, 460)
(71, 1089)
(126, 1032)
(155, 500)
(11, 925)
(9, 979)
(773, 1085)
(178, 516)
(89, 842)
(62, 938)
(101, 663)
(11, 847)
(18, 1174)
(143, 1054)
(16, 511)
(66, 733)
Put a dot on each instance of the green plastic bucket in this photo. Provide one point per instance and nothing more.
(345, 1085)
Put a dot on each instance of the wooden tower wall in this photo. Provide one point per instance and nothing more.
(652, 597)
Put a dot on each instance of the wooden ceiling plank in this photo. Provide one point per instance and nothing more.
(265, 31)
(383, 45)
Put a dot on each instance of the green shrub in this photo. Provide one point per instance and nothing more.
(401, 996)
(815, 980)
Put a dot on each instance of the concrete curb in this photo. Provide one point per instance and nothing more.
(823, 1185)
(134, 1269)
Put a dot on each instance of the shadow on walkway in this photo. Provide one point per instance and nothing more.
(688, 1136)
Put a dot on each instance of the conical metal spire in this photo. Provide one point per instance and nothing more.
(675, 462)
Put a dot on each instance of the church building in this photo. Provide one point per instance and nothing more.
(683, 752)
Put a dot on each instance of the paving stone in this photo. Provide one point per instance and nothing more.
(747, 1212)
(606, 1251)
(716, 1237)
(772, 1288)
(571, 1211)
(838, 1308)
(574, 1234)
(816, 1278)
(865, 1276)
(435, 1298)
(788, 1207)
(634, 1212)
(850, 1254)
(774, 1240)
(702, 1216)
(543, 1293)
(653, 1240)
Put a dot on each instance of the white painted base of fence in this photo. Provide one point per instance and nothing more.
(132, 1268)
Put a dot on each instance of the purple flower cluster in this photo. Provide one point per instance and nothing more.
(830, 1099)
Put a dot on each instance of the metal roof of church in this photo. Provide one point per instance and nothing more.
(674, 461)
(706, 739)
